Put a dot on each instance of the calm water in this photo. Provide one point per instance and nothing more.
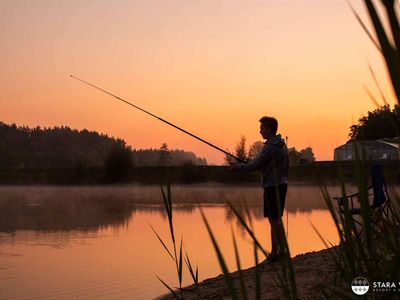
(47, 254)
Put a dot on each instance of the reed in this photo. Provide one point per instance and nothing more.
(286, 280)
(386, 40)
(372, 253)
(176, 254)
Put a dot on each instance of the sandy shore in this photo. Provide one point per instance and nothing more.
(312, 270)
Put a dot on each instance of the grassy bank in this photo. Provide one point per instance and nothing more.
(318, 268)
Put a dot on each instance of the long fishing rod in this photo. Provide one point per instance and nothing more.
(161, 119)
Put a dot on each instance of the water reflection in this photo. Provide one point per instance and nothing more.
(90, 209)
(97, 244)
(63, 215)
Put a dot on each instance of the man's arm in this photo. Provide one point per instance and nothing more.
(256, 163)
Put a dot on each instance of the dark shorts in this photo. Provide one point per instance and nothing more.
(273, 196)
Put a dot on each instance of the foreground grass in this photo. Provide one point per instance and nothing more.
(372, 254)
(314, 270)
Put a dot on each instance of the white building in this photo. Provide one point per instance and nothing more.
(373, 150)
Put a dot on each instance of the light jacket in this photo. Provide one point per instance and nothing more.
(273, 162)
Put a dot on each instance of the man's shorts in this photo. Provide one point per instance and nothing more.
(273, 196)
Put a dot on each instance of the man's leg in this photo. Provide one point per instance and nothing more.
(274, 236)
(277, 230)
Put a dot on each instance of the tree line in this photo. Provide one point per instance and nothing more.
(63, 147)
(381, 123)
(165, 156)
(254, 150)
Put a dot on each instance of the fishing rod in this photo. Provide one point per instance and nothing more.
(161, 119)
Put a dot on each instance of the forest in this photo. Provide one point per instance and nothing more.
(63, 147)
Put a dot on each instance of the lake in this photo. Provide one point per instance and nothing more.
(96, 242)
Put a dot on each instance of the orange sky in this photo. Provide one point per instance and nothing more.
(211, 67)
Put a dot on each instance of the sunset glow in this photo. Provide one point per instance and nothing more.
(211, 67)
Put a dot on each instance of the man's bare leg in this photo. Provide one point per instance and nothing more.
(274, 236)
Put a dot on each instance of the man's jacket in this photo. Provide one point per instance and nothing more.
(273, 162)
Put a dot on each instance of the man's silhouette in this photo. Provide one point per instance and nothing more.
(273, 162)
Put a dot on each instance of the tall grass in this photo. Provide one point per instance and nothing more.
(178, 259)
(285, 280)
(386, 40)
(372, 253)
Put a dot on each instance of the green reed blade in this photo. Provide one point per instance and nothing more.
(249, 231)
(169, 197)
(389, 53)
(332, 254)
(363, 195)
(319, 235)
(180, 263)
(221, 260)
(168, 287)
(394, 23)
(369, 34)
(237, 257)
(248, 215)
(328, 203)
(164, 198)
(348, 226)
(167, 202)
(191, 271)
(348, 241)
(371, 96)
(168, 209)
(278, 282)
(286, 261)
(257, 274)
(334, 248)
(161, 241)
(377, 84)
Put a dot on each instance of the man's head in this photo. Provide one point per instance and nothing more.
(268, 127)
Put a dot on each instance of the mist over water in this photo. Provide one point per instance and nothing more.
(96, 242)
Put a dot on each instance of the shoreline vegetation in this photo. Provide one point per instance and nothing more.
(317, 269)
(369, 252)
(313, 173)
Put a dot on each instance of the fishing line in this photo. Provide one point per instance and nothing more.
(157, 117)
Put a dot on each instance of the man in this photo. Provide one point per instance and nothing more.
(273, 162)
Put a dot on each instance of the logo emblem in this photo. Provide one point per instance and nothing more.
(360, 286)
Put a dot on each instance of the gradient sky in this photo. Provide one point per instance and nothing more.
(212, 67)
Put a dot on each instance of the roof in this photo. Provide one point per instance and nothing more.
(390, 144)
